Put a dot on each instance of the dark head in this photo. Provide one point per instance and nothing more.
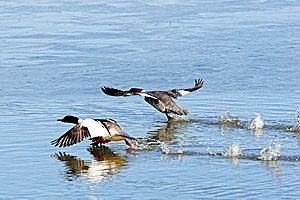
(69, 119)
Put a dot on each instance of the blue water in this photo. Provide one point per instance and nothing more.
(55, 56)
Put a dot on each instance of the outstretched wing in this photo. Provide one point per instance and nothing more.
(74, 135)
(116, 92)
(181, 92)
(132, 92)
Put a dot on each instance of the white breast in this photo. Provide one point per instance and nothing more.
(96, 129)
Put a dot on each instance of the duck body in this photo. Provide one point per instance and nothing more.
(100, 131)
(162, 101)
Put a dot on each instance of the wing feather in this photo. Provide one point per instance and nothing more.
(181, 92)
(76, 134)
(114, 128)
(116, 92)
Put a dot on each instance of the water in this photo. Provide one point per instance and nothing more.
(55, 56)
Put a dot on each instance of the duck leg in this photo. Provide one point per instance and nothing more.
(98, 141)
(131, 146)
(170, 118)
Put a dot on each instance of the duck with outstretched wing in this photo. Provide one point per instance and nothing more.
(163, 101)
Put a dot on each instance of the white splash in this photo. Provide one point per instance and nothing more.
(227, 118)
(234, 150)
(168, 149)
(272, 151)
(145, 144)
(257, 123)
(296, 127)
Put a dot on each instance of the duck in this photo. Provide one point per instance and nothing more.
(100, 131)
(163, 101)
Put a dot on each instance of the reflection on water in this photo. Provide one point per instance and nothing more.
(169, 131)
(259, 133)
(297, 136)
(273, 166)
(106, 163)
(234, 160)
(165, 138)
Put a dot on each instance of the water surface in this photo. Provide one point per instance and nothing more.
(55, 56)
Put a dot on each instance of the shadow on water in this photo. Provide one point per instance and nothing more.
(105, 164)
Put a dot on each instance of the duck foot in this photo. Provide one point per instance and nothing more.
(170, 119)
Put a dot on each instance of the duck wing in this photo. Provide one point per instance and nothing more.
(181, 92)
(87, 129)
(76, 134)
(132, 92)
(114, 128)
(116, 92)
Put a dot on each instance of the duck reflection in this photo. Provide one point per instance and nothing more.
(106, 164)
(168, 132)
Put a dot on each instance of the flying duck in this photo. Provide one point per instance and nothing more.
(160, 100)
(100, 131)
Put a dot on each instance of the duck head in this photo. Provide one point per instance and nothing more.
(69, 119)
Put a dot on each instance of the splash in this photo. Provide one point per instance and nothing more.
(272, 151)
(234, 150)
(227, 118)
(296, 127)
(257, 123)
(168, 149)
(146, 144)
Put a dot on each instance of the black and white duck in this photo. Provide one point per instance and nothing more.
(100, 131)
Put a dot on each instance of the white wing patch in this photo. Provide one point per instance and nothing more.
(146, 95)
(96, 129)
(183, 92)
